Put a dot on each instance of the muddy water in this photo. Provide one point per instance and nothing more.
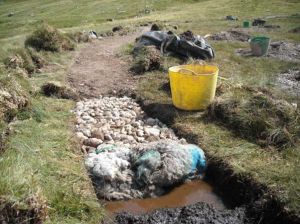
(186, 194)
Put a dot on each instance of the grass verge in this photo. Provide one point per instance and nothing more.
(42, 159)
(43, 178)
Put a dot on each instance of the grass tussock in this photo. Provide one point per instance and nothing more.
(256, 115)
(146, 58)
(14, 94)
(56, 89)
(48, 38)
(25, 58)
(79, 37)
(41, 157)
(32, 210)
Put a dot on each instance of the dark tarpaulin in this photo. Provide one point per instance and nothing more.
(184, 45)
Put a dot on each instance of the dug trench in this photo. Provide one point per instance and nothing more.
(236, 191)
(246, 200)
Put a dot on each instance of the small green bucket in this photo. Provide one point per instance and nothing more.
(260, 45)
(246, 24)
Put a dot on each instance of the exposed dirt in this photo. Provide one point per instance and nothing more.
(58, 90)
(34, 211)
(231, 35)
(97, 70)
(241, 34)
(290, 81)
(284, 51)
(280, 49)
(197, 213)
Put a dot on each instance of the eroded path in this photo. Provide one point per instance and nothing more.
(97, 70)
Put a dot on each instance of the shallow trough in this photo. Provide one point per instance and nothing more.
(121, 122)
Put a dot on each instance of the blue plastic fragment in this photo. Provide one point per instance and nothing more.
(198, 159)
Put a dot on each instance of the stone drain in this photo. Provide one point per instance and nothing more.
(113, 120)
(118, 139)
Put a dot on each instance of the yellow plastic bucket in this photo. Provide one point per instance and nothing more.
(193, 86)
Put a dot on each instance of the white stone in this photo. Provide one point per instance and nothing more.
(119, 120)
(81, 136)
(140, 133)
(151, 121)
(86, 132)
(107, 137)
(152, 131)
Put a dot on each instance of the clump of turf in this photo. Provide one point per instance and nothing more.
(56, 89)
(79, 37)
(146, 58)
(258, 116)
(14, 94)
(159, 26)
(25, 58)
(48, 38)
(33, 210)
(37, 59)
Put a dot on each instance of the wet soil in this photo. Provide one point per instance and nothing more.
(197, 213)
(183, 195)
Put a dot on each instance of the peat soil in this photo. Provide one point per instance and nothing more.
(197, 213)
(98, 70)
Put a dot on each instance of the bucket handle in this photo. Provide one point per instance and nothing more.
(191, 71)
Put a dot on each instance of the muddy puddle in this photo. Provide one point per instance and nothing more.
(185, 194)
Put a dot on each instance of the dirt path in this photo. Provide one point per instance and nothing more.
(97, 70)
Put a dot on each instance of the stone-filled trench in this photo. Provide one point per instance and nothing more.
(131, 155)
(115, 132)
(141, 164)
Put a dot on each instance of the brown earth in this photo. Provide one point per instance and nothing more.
(98, 70)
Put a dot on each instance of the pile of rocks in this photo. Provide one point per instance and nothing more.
(119, 121)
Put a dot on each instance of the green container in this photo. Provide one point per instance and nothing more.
(246, 24)
(260, 45)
